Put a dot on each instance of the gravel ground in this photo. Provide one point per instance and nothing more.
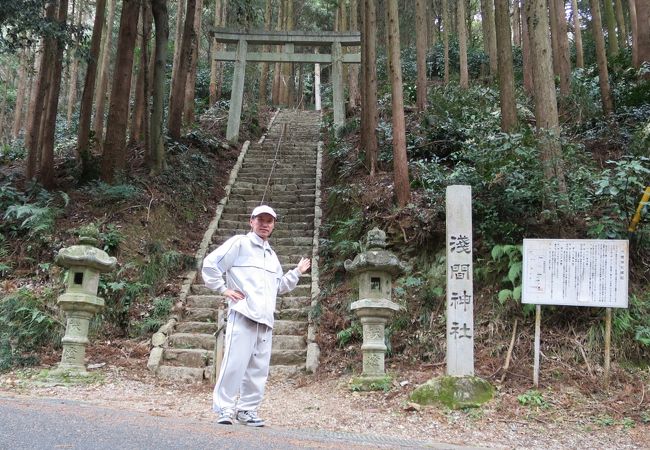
(324, 403)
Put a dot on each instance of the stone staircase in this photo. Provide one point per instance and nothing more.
(186, 345)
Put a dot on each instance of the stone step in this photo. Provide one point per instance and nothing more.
(289, 342)
(189, 357)
(282, 371)
(222, 235)
(259, 169)
(236, 215)
(192, 340)
(196, 327)
(280, 226)
(288, 357)
(276, 242)
(292, 301)
(205, 301)
(239, 205)
(292, 314)
(289, 179)
(200, 314)
(289, 328)
(259, 189)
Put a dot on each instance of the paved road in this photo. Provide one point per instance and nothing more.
(61, 424)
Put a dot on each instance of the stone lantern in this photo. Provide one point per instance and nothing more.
(374, 269)
(80, 302)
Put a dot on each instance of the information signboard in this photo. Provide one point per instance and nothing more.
(575, 272)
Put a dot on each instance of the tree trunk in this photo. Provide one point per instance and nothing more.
(114, 155)
(370, 73)
(516, 23)
(546, 114)
(462, 44)
(181, 6)
(564, 60)
(158, 162)
(86, 106)
(41, 88)
(264, 75)
(190, 84)
(74, 69)
(101, 94)
(445, 38)
(275, 89)
(174, 122)
(635, 34)
(506, 75)
(643, 32)
(21, 92)
(421, 54)
(489, 33)
(620, 21)
(552, 12)
(142, 92)
(353, 70)
(610, 22)
(400, 161)
(525, 51)
(601, 58)
(577, 32)
(46, 169)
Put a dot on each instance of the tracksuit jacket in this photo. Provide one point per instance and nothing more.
(251, 267)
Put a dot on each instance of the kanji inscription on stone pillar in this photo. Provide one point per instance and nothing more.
(460, 293)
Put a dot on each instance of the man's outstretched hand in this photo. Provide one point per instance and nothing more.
(304, 265)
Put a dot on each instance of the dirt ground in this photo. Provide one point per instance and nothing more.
(567, 417)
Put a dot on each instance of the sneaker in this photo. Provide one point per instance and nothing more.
(249, 418)
(225, 418)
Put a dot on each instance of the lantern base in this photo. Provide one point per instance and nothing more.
(366, 383)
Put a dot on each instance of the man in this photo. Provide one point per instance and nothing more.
(253, 280)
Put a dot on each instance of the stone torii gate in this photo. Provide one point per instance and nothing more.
(288, 39)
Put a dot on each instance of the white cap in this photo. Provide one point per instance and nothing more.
(263, 209)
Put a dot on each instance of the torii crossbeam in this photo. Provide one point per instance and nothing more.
(288, 40)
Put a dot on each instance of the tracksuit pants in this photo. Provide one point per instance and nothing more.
(245, 365)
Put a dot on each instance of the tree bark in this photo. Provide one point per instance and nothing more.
(101, 94)
(353, 70)
(610, 22)
(277, 68)
(40, 91)
(264, 70)
(552, 12)
(577, 32)
(21, 92)
(563, 48)
(400, 161)
(516, 23)
(620, 21)
(114, 155)
(525, 51)
(462, 44)
(142, 91)
(635, 34)
(601, 58)
(489, 33)
(190, 84)
(445, 39)
(158, 162)
(506, 75)
(74, 69)
(181, 6)
(546, 115)
(86, 106)
(370, 72)
(643, 32)
(421, 54)
(46, 167)
(174, 122)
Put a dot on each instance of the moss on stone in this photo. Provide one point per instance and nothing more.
(383, 383)
(454, 392)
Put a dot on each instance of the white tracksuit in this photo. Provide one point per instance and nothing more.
(250, 266)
